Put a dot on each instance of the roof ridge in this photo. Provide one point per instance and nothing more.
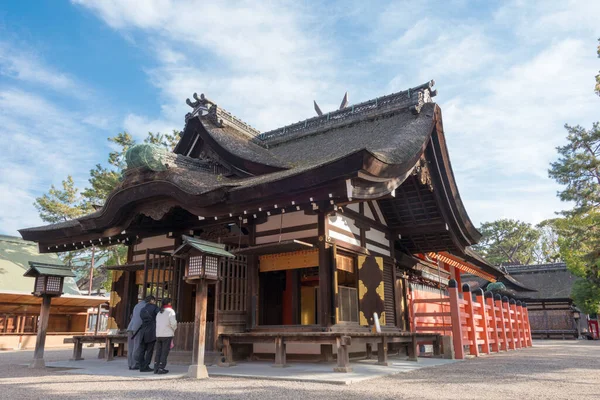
(412, 98)
(207, 109)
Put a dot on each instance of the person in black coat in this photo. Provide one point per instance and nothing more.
(148, 334)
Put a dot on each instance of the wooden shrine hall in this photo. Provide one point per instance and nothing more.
(332, 220)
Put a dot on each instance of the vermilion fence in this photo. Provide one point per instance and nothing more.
(478, 322)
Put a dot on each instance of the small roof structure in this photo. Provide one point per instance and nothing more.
(40, 269)
(215, 249)
(550, 281)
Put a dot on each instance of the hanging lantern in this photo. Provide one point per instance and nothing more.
(49, 278)
(202, 258)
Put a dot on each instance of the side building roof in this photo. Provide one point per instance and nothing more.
(15, 256)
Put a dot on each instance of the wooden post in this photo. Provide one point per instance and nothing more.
(343, 356)
(493, 323)
(91, 283)
(502, 328)
(521, 324)
(471, 326)
(18, 328)
(515, 323)
(279, 352)
(77, 348)
(509, 319)
(38, 354)
(325, 272)
(382, 351)
(527, 326)
(98, 319)
(198, 370)
(369, 351)
(252, 282)
(485, 348)
(457, 335)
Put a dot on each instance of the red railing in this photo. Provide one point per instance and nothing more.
(481, 323)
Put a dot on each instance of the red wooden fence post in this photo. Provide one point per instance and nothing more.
(521, 325)
(502, 326)
(455, 318)
(528, 337)
(515, 323)
(470, 314)
(493, 323)
(509, 325)
(483, 312)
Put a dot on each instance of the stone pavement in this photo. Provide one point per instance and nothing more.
(301, 372)
(552, 370)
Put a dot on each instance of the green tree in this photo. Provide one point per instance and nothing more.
(508, 241)
(578, 168)
(586, 296)
(547, 249)
(597, 88)
(59, 205)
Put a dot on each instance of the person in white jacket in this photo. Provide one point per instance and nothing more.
(166, 323)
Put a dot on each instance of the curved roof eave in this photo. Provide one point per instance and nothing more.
(469, 234)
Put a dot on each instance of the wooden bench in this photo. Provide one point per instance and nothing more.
(108, 340)
(342, 341)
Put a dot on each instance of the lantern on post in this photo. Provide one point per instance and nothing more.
(201, 267)
(49, 279)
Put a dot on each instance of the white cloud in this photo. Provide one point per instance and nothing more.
(264, 62)
(41, 144)
(24, 65)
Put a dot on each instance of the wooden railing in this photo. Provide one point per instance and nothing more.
(184, 336)
(478, 322)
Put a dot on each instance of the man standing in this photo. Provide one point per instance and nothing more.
(148, 334)
(133, 339)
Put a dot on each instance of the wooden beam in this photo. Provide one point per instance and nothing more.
(325, 272)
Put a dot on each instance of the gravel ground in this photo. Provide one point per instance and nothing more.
(549, 370)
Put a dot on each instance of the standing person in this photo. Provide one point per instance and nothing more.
(133, 339)
(148, 334)
(166, 323)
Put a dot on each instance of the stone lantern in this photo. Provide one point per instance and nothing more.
(201, 267)
(49, 280)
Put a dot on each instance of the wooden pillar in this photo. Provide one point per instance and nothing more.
(382, 351)
(38, 354)
(521, 324)
(471, 325)
(455, 317)
(515, 323)
(325, 272)
(485, 347)
(198, 370)
(280, 353)
(502, 323)
(493, 323)
(98, 313)
(343, 354)
(509, 323)
(529, 338)
(18, 327)
(252, 282)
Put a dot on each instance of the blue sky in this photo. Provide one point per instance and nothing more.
(509, 75)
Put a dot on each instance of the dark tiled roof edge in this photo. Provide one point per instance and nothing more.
(412, 98)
